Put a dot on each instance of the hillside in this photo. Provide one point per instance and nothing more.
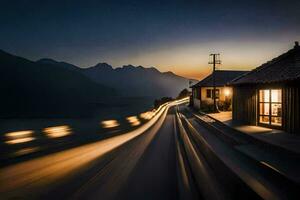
(35, 89)
(138, 81)
(48, 88)
(131, 81)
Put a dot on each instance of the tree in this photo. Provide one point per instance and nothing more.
(161, 101)
(184, 93)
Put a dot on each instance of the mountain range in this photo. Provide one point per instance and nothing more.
(33, 89)
(130, 80)
(48, 87)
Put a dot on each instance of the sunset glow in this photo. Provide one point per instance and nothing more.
(173, 99)
(171, 36)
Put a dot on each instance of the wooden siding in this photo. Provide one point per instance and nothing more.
(291, 109)
(196, 92)
(244, 105)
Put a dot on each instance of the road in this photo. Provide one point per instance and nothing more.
(155, 176)
(172, 156)
(138, 164)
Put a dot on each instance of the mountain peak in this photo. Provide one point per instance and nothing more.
(140, 67)
(103, 66)
(153, 69)
(128, 67)
(169, 73)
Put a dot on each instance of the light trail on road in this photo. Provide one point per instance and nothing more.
(35, 175)
(173, 155)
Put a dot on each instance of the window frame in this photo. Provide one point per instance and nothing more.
(269, 116)
(208, 93)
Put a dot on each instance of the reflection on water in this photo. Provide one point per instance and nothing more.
(110, 123)
(57, 131)
(133, 120)
(19, 137)
(26, 151)
(20, 140)
(19, 134)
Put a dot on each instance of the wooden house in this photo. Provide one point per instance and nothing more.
(269, 95)
(202, 92)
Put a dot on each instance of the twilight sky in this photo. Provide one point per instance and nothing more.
(173, 36)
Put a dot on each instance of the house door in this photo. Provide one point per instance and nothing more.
(270, 107)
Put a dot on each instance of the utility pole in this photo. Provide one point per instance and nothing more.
(190, 82)
(214, 60)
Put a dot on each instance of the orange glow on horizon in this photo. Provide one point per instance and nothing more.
(201, 73)
(190, 60)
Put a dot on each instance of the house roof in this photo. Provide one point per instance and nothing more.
(222, 77)
(285, 67)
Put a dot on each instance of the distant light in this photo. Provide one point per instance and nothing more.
(19, 134)
(110, 123)
(20, 140)
(19, 137)
(57, 131)
(227, 92)
(133, 120)
(57, 165)
(147, 115)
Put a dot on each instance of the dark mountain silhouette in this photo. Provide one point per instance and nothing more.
(50, 61)
(131, 81)
(48, 88)
(138, 81)
(45, 88)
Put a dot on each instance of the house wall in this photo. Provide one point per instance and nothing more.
(291, 109)
(196, 93)
(196, 103)
(222, 95)
(196, 97)
(199, 95)
(244, 105)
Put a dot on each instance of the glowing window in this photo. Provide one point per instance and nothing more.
(270, 107)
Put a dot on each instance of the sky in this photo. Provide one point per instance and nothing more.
(175, 36)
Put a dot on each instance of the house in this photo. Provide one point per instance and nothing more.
(270, 94)
(202, 92)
